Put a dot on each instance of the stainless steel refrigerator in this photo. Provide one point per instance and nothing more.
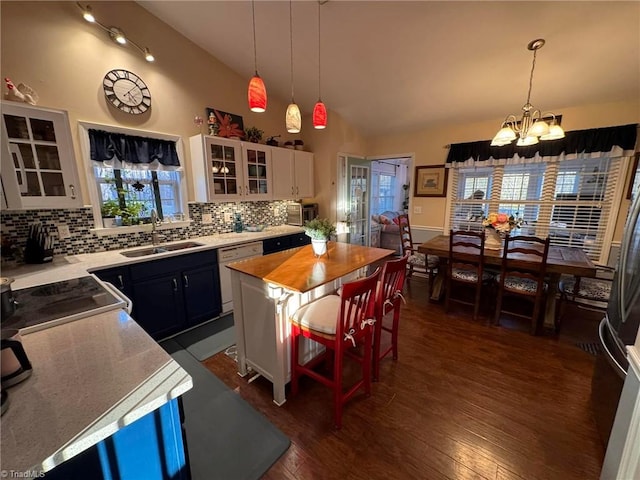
(618, 328)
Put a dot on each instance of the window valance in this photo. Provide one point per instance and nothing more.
(577, 142)
(129, 151)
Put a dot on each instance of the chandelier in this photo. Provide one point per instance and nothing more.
(533, 125)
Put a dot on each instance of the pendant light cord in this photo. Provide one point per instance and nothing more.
(255, 51)
(533, 66)
(291, 37)
(319, 89)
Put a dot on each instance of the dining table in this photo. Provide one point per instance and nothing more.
(561, 260)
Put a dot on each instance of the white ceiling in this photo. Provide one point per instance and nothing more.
(391, 66)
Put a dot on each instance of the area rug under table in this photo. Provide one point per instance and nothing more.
(226, 437)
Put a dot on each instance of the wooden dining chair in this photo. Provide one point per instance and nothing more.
(388, 299)
(466, 267)
(524, 261)
(591, 293)
(417, 261)
(342, 324)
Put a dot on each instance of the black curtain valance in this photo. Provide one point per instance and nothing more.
(132, 149)
(577, 141)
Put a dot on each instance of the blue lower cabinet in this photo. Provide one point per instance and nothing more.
(151, 448)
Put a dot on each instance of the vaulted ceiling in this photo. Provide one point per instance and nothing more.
(390, 66)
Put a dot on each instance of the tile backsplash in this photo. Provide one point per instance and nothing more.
(15, 227)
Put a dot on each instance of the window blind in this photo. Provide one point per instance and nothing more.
(569, 201)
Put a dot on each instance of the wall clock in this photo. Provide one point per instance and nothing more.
(126, 91)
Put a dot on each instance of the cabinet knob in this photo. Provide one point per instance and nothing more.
(121, 281)
(186, 281)
(73, 191)
(175, 285)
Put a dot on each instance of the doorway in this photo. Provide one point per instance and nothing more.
(370, 186)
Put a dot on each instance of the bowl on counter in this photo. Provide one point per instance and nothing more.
(254, 228)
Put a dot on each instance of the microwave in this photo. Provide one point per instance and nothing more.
(298, 213)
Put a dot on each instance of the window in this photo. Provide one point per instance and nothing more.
(565, 200)
(383, 192)
(127, 191)
(133, 193)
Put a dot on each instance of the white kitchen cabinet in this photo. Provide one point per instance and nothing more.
(38, 164)
(230, 170)
(294, 177)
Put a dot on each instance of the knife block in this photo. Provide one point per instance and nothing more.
(36, 253)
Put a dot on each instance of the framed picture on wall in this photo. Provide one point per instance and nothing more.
(224, 124)
(431, 181)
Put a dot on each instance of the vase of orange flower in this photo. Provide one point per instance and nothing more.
(497, 226)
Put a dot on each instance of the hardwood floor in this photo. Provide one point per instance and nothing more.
(464, 400)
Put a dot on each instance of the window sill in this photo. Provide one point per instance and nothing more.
(103, 232)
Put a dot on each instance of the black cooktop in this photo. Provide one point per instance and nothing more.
(58, 300)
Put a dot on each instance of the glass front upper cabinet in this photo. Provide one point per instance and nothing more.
(38, 164)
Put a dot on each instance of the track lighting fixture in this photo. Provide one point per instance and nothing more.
(116, 34)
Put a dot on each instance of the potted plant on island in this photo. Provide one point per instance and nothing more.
(320, 230)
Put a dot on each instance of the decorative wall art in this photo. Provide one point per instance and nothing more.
(431, 181)
(224, 124)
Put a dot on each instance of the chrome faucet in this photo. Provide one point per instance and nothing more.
(155, 221)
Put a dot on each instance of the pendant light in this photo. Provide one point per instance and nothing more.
(257, 93)
(533, 124)
(293, 121)
(319, 110)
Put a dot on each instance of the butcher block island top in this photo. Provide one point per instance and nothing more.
(300, 270)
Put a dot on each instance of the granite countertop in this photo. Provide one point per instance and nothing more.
(74, 266)
(301, 271)
(90, 378)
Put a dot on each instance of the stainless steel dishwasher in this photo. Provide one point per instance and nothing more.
(228, 255)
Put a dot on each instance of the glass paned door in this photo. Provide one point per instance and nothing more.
(359, 204)
(35, 155)
(223, 162)
(256, 172)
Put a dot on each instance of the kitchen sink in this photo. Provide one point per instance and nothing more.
(143, 252)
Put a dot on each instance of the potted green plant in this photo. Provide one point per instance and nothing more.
(109, 210)
(253, 134)
(131, 214)
(320, 230)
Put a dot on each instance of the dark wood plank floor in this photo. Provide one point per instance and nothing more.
(464, 400)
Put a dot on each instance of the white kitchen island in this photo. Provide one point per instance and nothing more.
(267, 290)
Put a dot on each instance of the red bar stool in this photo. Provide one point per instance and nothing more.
(388, 300)
(342, 324)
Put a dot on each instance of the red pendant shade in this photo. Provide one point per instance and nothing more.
(319, 115)
(257, 94)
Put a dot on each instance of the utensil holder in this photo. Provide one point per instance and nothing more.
(36, 253)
